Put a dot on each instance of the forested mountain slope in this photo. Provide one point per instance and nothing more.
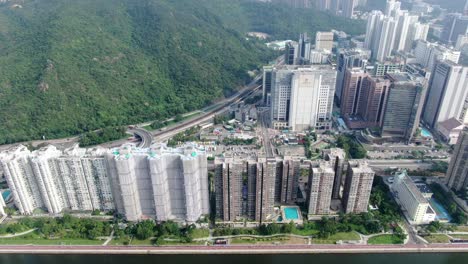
(69, 66)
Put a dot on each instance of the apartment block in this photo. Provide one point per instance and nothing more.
(321, 181)
(457, 173)
(358, 187)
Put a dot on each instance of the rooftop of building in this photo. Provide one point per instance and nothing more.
(403, 178)
(359, 166)
(315, 67)
(404, 78)
(450, 124)
(423, 188)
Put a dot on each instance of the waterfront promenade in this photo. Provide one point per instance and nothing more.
(237, 249)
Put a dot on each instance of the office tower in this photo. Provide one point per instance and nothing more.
(289, 180)
(335, 7)
(324, 5)
(304, 49)
(358, 187)
(160, 182)
(417, 31)
(295, 3)
(447, 94)
(302, 97)
(373, 29)
(355, 58)
(281, 95)
(265, 185)
(321, 181)
(352, 92)
(412, 200)
(337, 158)
(324, 40)
(312, 94)
(457, 173)
(465, 10)
(21, 179)
(461, 42)
(361, 3)
(403, 107)
(374, 100)
(348, 8)
(405, 20)
(291, 54)
(392, 7)
(319, 56)
(385, 45)
(266, 85)
(455, 24)
(427, 54)
(228, 184)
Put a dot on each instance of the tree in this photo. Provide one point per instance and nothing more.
(289, 228)
(144, 230)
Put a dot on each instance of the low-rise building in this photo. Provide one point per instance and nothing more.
(415, 206)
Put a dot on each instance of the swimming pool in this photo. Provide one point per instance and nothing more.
(441, 213)
(426, 133)
(291, 213)
(6, 194)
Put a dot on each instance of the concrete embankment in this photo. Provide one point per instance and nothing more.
(105, 250)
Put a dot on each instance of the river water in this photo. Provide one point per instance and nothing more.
(426, 258)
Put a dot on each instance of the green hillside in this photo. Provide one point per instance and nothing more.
(69, 66)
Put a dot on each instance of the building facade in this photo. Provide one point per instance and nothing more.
(403, 107)
(415, 205)
(358, 187)
(447, 94)
(457, 173)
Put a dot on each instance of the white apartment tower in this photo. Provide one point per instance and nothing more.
(160, 182)
(21, 179)
(447, 94)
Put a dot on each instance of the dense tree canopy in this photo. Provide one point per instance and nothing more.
(68, 67)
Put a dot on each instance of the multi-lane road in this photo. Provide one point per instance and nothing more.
(234, 249)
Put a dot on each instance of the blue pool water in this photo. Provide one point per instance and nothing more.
(441, 213)
(426, 133)
(5, 194)
(291, 213)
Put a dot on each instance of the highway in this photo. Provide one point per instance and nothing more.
(264, 121)
(401, 164)
(146, 138)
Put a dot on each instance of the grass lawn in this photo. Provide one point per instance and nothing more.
(36, 239)
(436, 238)
(384, 240)
(200, 233)
(146, 242)
(459, 236)
(338, 236)
(462, 228)
(302, 232)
